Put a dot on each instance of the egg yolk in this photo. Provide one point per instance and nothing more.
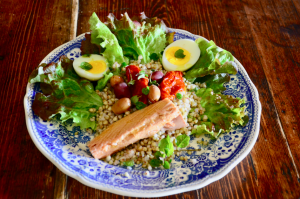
(170, 55)
(99, 66)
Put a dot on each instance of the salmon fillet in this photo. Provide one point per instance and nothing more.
(177, 123)
(141, 124)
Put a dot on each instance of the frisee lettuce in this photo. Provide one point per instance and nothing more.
(222, 111)
(215, 82)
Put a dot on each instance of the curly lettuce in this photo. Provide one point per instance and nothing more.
(101, 35)
(213, 60)
(140, 35)
(222, 112)
(64, 93)
(215, 82)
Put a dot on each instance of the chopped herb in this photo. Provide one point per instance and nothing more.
(153, 83)
(131, 82)
(154, 56)
(142, 74)
(134, 99)
(166, 146)
(179, 54)
(179, 96)
(86, 66)
(86, 55)
(155, 162)
(182, 141)
(166, 165)
(146, 90)
(123, 65)
(140, 105)
(158, 154)
(128, 163)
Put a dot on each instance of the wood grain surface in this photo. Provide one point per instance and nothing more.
(263, 34)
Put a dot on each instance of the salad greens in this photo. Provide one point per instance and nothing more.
(134, 99)
(178, 95)
(102, 82)
(213, 60)
(179, 54)
(166, 146)
(64, 93)
(182, 141)
(102, 36)
(222, 111)
(128, 163)
(140, 105)
(143, 36)
(166, 149)
(146, 90)
(215, 82)
(154, 57)
(86, 66)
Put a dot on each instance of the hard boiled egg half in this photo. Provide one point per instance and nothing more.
(98, 66)
(191, 53)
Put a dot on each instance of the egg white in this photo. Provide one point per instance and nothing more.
(85, 73)
(188, 45)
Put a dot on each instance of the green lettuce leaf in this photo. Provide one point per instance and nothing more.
(64, 93)
(215, 82)
(103, 81)
(213, 60)
(101, 35)
(139, 36)
(182, 141)
(222, 111)
(165, 145)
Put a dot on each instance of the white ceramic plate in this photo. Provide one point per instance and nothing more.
(65, 145)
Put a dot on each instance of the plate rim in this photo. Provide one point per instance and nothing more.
(207, 181)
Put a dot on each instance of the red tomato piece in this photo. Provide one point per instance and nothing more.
(171, 84)
(132, 73)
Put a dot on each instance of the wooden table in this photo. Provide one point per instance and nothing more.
(263, 34)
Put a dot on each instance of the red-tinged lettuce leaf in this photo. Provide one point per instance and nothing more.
(64, 93)
(54, 71)
(215, 82)
(140, 36)
(88, 48)
(222, 111)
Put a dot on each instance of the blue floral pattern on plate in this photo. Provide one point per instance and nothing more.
(65, 144)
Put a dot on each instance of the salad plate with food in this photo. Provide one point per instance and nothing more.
(140, 109)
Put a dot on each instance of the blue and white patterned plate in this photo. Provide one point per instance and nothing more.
(65, 145)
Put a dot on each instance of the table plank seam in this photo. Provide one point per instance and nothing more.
(73, 32)
(287, 142)
(74, 19)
